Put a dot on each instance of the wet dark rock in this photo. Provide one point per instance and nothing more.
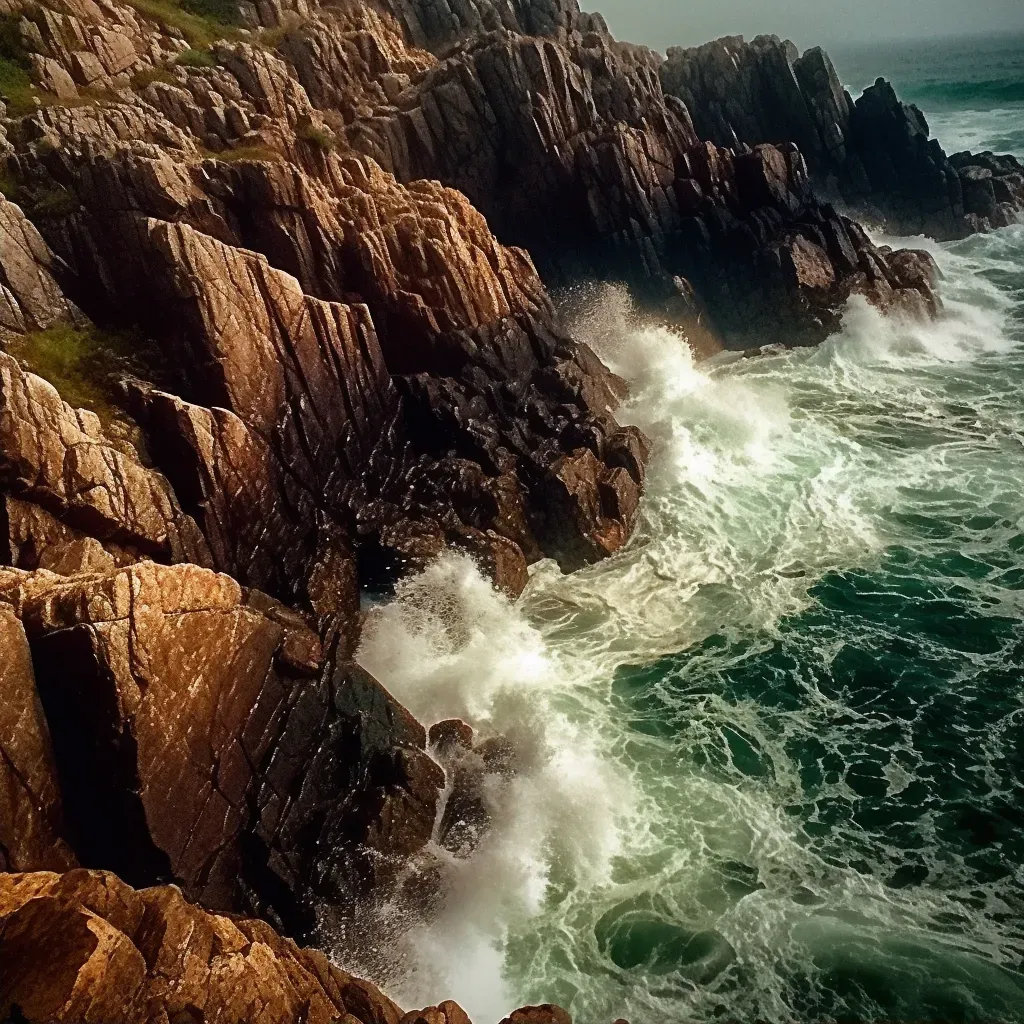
(450, 734)
(874, 155)
(546, 1013)
(447, 1012)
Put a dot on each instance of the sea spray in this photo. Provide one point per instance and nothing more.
(449, 645)
(810, 513)
(772, 748)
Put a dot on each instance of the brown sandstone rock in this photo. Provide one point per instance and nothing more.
(30, 808)
(61, 459)
(447, 1012)
(30, 298)
(157, 730)
(31, 538)
(203, 738)
(448, 297)
(85, 947)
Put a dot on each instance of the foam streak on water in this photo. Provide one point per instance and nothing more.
(774, 749)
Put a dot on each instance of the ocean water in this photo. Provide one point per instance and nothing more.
(772, 752)
(971, 90)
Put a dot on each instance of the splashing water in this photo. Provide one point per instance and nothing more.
(774, 752)
(812, 658)
(450, 645)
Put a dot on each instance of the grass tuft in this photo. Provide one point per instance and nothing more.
(195, 59)
(17, 88)
(147, 76)
(317, 137)
(10, 187)
(200, 22)
(243, 153)
(84, 363)
(54, 203)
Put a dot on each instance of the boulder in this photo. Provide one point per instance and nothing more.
(546, 1013)
(83, 946)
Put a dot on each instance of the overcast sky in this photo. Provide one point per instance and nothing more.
(664, 23)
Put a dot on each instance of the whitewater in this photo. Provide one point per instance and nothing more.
(772, 753)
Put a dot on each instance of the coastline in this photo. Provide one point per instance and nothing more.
(276, 339)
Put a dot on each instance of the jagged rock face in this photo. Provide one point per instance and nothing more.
(202, 738)
(571, 147)
(61, 461)
(317, 462)
(434, 24)
(84, 946)
(157, 730)
(875, 154)
(365, 372)
(346, 737)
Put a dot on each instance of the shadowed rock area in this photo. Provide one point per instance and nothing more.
(874, 154)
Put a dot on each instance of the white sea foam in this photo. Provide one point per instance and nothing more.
(999, 130)
(768, 473)
(450, 645)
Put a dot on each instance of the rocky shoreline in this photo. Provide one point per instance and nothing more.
(275, 331)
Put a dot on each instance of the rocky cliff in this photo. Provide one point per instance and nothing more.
(275, 331)
(873, 154)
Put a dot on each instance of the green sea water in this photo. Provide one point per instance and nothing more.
(773, 752)
(971, 90)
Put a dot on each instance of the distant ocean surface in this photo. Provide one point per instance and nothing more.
(774, 750)
(971, 90)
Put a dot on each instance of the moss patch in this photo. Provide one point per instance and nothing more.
(195, 59)
(150, 75)
(220, 12)
(84, 363)
(9, 187)
(17, 88)
(243, 153)
(51, 203)
(201, 22)
(316, 137)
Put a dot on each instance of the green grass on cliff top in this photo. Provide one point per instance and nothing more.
(201, 22)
